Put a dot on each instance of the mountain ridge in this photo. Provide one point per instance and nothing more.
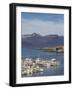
(35, 40)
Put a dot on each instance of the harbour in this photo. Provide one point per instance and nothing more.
(33, 66)
(39, 63)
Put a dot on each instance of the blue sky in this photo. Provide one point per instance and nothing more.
(42, 23)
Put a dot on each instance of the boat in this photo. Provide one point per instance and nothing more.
(53, 60)
(28, 59)
(41, 69)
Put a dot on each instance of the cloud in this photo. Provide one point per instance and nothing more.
(42, 27)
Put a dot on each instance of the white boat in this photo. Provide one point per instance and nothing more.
(53, 60)
(37, 60)
(28, 59)
(41, 69)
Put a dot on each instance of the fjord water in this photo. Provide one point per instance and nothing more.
(53, 71)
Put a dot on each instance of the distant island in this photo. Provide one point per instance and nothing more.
(59, 49)
(46, 43)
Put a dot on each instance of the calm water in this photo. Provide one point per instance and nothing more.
(34, 53)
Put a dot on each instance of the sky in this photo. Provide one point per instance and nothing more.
(42, 23)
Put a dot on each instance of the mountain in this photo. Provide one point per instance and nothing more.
(38, 41)
(31, 35)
